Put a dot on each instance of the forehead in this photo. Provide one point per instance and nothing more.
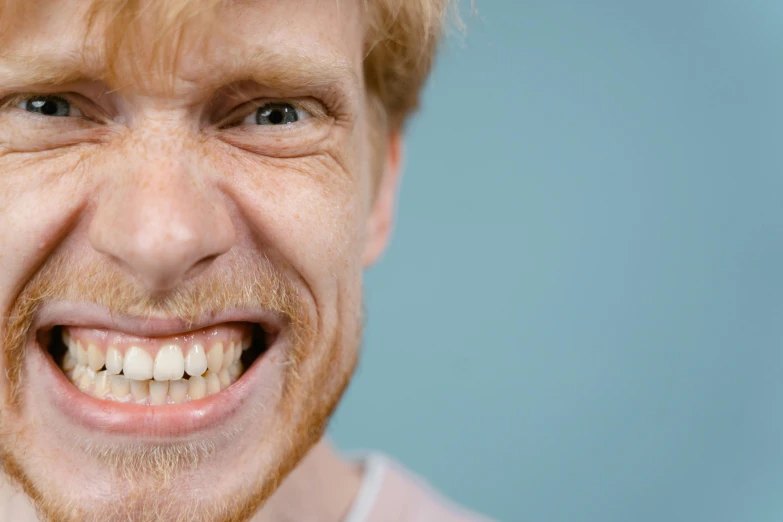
(181, 43)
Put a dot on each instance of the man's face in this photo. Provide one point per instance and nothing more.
(180, 255)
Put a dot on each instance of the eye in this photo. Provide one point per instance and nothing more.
(276, 114)
(49, 106)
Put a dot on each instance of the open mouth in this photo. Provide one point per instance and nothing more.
(155, 371)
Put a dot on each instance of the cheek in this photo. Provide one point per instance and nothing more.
(39, 201)
(308, 213)
(310, 206)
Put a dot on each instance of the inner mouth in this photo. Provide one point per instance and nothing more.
(155, 371)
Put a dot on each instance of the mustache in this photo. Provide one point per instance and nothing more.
(242, 282)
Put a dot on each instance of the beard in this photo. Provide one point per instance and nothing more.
(151, 481)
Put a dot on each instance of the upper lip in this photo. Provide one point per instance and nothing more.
(89, 315)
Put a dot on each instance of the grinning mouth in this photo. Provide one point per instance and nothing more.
(156, 371)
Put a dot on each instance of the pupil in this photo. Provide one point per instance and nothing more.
(49, 108)
(276, 116)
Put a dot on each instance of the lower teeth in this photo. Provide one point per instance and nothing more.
(120, 388)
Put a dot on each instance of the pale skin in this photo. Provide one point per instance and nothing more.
(147, 180)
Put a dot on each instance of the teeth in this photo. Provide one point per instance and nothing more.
(128, 373)
(140, 389)
(235, 370)
(197, 387)
(81, 354)
(69, 362)
(215, 357)
(213, 383)
(101, 384)
(228, 357)
(225, 380)
(169, 364)
(120, 387)
(137, 364)
(158, 392)
(95, 358)
(178, 390)
(113, 360)
(196, 361)
(86, 379)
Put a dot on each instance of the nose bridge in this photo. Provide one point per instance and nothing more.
(160, 219)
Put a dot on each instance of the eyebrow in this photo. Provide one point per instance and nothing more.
(21, 70)
(282, 70)
(293, 70)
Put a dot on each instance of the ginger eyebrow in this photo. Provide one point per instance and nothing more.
(34, 70)
(272, 68)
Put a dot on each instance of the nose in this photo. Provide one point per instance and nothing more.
(162, 225)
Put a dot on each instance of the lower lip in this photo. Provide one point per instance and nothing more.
(170, 421)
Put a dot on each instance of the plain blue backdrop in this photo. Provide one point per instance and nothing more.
(581, 315)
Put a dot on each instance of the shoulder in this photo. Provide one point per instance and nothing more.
(391, 493)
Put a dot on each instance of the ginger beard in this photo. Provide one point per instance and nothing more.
(79, 475)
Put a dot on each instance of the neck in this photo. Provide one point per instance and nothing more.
(322, 488)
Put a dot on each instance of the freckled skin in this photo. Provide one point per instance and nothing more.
(160, 192)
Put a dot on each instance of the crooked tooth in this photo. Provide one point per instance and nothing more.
(137, 364)
(228, 357)
(95, 357)
(215, 357)
(81, 354)
(169, 363)
(158, 392)
(178, 390)
(101, 384)
(213, 383)
(197, 387)
(196, 361)
(66, 337)
(239, 349)
(120, 387)
(113, 360)
(140, 389)
(246, 342)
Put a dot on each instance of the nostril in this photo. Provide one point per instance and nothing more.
(200, 266)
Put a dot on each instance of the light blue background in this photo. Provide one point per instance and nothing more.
(581, 316)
